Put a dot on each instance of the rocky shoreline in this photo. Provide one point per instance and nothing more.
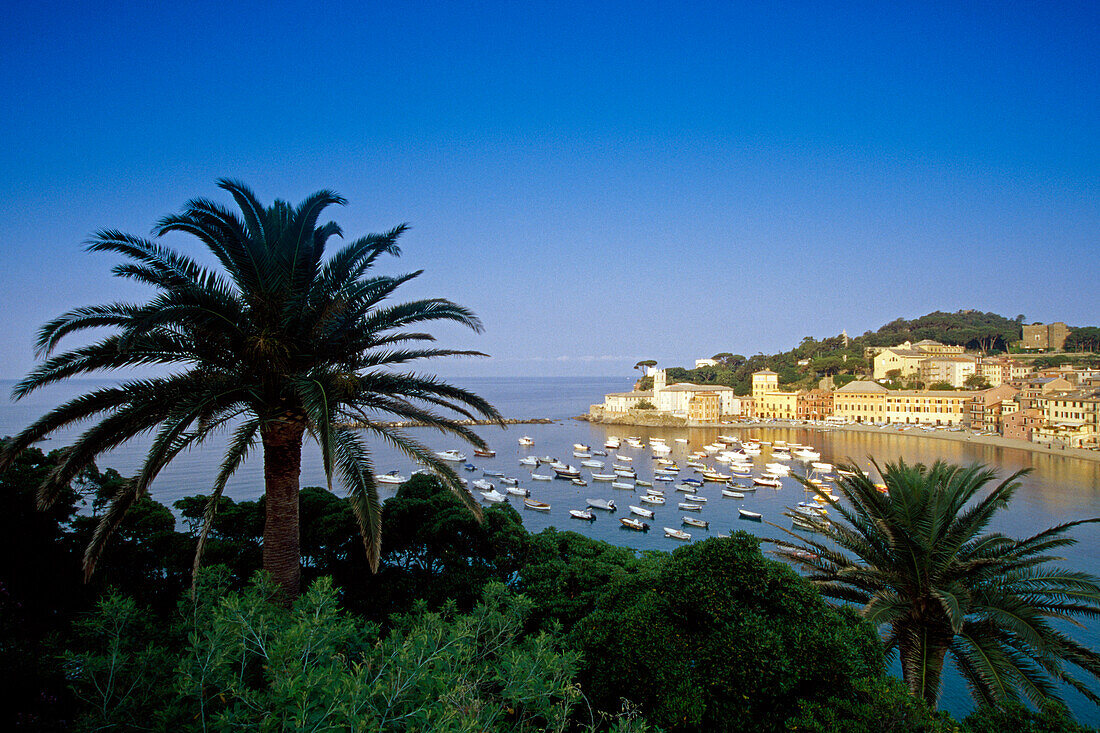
(962, 436)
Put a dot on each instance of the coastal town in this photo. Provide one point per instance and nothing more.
(1001, 395)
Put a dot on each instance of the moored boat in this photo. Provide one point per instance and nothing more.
(485, 453)
(608, 505)
(541, 477)
(393, 477)
(746, 514)
(676, 534)
(693, 522)
(733, 494)
(622, 485)
(635, 524)
(651, 499)
(584, 514)
(451, 455)
(641, 512)
(538, 506)
(517, 491)
(526, 441)
(493, 496)
(603, 477)
(687, 506)
(483, 485)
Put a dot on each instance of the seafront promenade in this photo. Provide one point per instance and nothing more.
(960, 435)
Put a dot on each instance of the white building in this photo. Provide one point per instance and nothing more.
(675, 399)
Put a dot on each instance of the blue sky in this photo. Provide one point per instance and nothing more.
(602, 183)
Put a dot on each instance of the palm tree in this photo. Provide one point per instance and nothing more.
(919, 561)
(276, 343)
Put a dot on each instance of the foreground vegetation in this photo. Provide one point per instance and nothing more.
(465, 626)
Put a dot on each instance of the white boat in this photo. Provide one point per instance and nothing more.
(780, 469)
(592, 464)
(393, 477)
(687, 488)
(715, 476)
(687, 506)
(682, 440)
(608, 505)
(651, 499)
(582, 454)
(660, 449)
(623, 458)
(509, 480)
(752, 449)
(655, 492)
(584, 514)
(746, 514)
(538, 506)
(526, 440)
(581, 447)
(641, 512)
(541, 477)
(549, 460)
(567, 471)
(733, 494)
(483, 485)
(664, 472)
(529, 461)
(603, 477)
(486, 453)
(493, 474)
(806, 454)
(612, 443)
(622, 485)
(635, 524)
(780, 455)
(766, 481)
(676, 534)
(493, 496)
(640, 482)
(693, 522)
(451, 455)
(822, 467)
(579, 482)
(517, 491)
(666, 479)
(696, 498)
(625, 474)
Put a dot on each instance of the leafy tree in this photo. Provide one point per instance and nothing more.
(644, 366)
(1051, 717)
(717, 638)
(941, 386)
(874, 705)
(1083, 339)
(645, 405)
(976, 381)
(279, 339)
(919, 561)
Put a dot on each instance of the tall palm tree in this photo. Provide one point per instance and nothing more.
(919, 560)
(278, 342)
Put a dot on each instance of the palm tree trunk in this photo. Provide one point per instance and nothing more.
(282, 473)
(923, 650)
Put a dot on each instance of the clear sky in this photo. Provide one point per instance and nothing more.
(600, 182)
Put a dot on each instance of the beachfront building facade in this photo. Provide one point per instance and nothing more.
(870, 402)
(777, 405)
(815, 404)
(1036, 389)
(860, 402)
(985, 408)
(1022, 424)
(625, 401)
(1071, 419)
(953, 369)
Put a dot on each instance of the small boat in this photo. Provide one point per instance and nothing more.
(470, 467)
(517, 491)
(625, 474)
(651, 499)
(696, 465)
(508, 480)
(451, 455)
(567, 472)
(687, 488)
(660, 449)
(494, 496)
(622, 485)
(584, 514)
(592, 464)
(623, 458)
(581, 447)
(529, 461)
(655, 492)
(715, 476)
(778, 455)
(696, 498)
(641, 512)
(548, 459)
(664, 472)
(603, 477)
(682, 440)
(766, 481)
(483, 485)
(541, 477)
(526, 440)
(608, 505)
(639, 482)
(780, 469)
(733, 494)
(693, 482)
(635, 524)
(806, 454)
(579, 482)
(693, 522)
(393, 477)
(493, 474)
(612, 443)
(487, 453)
(687, 506)
(538, 506)
(582, 454)
(676, 534)
(746, 514)
(822, 467)
(666, 479)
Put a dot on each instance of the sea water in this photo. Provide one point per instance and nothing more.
(1057, 489)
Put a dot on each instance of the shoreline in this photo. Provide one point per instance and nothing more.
(962, 436)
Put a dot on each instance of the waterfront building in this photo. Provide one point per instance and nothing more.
(704, 407)
(675, 399)
(953, 369)
(1045, 336)
(1070, 418)
(1035, 389)
(1020, 425)
(860, 401)
(777, 405)
(764, 381)
(625, 401)
(870, 402)
(985, 408)
(816, 404)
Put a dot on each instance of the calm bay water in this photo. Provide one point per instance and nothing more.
(1059, 489)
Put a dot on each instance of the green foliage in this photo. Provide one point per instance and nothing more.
(875, 705)
(716, 638)
(976, 381)
(566, 573)
(248, 662)
(645, 405)
(1012, 716)
(919, 561)
(1086, 338)
(947, 386)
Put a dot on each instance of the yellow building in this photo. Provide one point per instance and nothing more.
(777, 405)
(861, 401)
(907, 357)
(764, 381)
(870, 402)
(704, 407)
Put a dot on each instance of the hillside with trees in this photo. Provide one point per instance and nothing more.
(843, 358)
